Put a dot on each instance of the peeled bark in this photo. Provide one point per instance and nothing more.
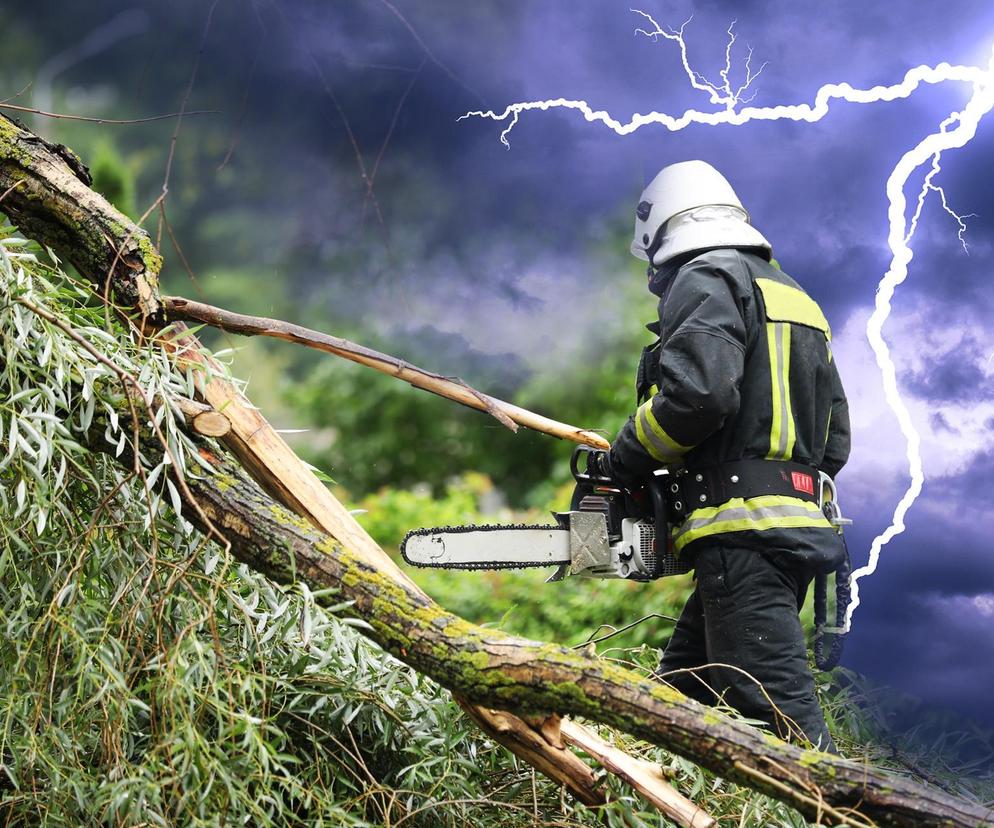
(319, 542)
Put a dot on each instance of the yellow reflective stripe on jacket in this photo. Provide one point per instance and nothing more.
(782, 433)
(788, 304)
(654, 439)
(754, 513)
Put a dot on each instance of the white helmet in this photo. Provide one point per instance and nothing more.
(690, 206)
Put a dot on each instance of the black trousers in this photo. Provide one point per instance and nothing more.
(744, 615)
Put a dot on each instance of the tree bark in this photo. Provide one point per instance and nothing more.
(497, 670)
(484, 666)
(46, 193)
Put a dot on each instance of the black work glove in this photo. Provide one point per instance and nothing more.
(601, 465)
(598, 464)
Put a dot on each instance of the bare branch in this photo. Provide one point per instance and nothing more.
(386, 140)
(108, 121)
(507, 414)
(429, 53)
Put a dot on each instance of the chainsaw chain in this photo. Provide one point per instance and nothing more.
(485, 527)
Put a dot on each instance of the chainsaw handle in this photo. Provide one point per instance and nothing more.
(657, 498)
(583, 476)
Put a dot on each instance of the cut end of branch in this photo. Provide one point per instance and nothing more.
(211, 424)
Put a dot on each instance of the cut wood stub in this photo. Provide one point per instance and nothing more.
(211, 424)
(204, 419)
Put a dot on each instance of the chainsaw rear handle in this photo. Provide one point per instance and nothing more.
(657, 497)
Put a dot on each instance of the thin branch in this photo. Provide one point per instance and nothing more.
(242, 109)
(386, 140)
(353, 141)
(11, 188)
(186, 98)
(429, 53)
(109, 121)
(16, 95)
(509, 415)
(618, 630)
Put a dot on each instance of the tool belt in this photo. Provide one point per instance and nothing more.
(691, 489)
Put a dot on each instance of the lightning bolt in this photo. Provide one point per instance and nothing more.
(954, 132)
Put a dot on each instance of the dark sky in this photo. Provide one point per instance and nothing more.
(521, 250)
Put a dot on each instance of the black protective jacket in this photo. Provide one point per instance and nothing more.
(743, 368)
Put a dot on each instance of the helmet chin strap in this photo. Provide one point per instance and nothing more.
(653, 249)
(657, 277)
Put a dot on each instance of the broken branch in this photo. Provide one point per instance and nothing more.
(510, 415)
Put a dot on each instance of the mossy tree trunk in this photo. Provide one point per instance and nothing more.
(499, 670)
(45, 190)
(44, 193)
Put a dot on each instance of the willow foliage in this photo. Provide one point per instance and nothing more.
(147, 678)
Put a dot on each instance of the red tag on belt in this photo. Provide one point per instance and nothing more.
(803, 482)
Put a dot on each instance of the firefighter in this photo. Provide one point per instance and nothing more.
(740, 393)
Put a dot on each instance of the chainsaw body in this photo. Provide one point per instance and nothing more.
(607, 533)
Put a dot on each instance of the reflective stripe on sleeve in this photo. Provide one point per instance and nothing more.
(782, 434)
(654, 438)
(755, 513)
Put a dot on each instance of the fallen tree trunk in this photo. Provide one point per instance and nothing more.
(484, 666)
(177, 307)
(497, 670)
(46, 192)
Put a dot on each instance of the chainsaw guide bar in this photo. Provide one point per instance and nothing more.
(436, 535)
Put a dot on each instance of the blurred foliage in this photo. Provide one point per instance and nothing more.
(112, 178)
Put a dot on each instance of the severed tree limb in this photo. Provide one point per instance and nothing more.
(486, 667)
(557, 763)
(176, 307)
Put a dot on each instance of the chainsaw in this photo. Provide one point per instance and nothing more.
(613, 532)
(609, 532)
